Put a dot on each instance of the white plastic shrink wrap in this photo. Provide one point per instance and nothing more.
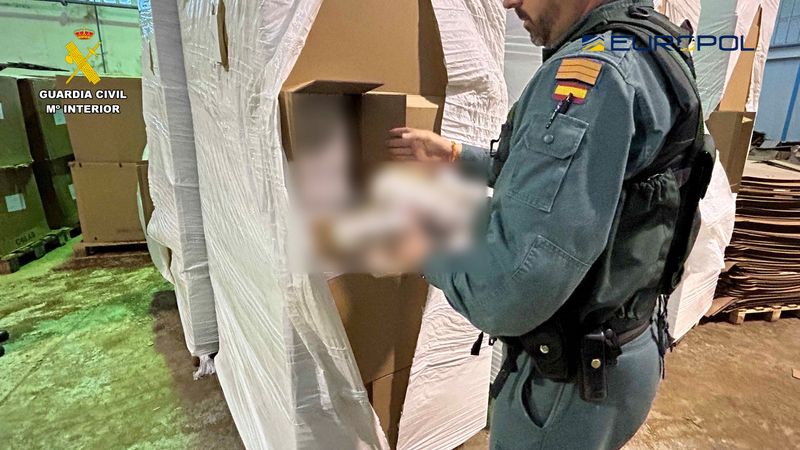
(285, 364)
(476, 103)
(694, 294)
(715, 66)
(177, 223)
(769, 13)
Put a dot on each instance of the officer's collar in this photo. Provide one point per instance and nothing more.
(602, 11)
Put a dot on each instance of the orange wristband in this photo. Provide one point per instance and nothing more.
(455, 151)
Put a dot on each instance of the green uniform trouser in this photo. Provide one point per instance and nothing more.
(535, 413)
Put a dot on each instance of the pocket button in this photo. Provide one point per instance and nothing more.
(548, 139)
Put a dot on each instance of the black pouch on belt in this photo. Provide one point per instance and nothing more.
(549, 347)
(594, 384)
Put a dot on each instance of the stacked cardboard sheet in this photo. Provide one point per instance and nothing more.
(176, 222)
(765, 264)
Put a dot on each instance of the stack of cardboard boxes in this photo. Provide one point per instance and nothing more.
(22, 217)
(108, 160)
(51, 151)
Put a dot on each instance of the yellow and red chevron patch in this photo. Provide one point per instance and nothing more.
(584, 70)
(576, 76)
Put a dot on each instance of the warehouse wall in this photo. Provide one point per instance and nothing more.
(36, 32)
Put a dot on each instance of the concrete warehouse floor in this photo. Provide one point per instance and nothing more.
(97, 360)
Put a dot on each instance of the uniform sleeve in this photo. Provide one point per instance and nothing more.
(553, 207)
(476, 161)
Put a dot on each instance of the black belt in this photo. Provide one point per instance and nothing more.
(632, 334)
(598, 349)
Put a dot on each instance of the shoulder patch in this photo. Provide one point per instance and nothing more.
(585, 70)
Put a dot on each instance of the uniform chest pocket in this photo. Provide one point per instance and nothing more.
(540, 161)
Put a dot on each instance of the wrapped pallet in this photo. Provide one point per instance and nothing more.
(695, 293)
(728, 81)
(717, 69)
(285, 363)
(176, 225)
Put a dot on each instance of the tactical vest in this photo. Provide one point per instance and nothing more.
(652, 233)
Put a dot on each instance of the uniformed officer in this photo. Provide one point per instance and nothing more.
(588, 181)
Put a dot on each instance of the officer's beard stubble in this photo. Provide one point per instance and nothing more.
(541, 26)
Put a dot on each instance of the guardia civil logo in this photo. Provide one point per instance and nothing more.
(82, 62)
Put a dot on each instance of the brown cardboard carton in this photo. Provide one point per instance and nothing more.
(112, 137)
(372, 115)
(144, 191)
(14, 148)
(47, 132)
(382, 318)
(738, 88)
(107, 206)
(58, 193)
(380, 112)
(396, 42)
(22, 219)
(732, 131)
(387, 395)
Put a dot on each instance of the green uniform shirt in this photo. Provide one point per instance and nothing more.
(558, 192)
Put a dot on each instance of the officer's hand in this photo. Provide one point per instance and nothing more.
(411, 144)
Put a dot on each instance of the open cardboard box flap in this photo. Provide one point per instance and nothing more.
(373, 113)
(334, 87)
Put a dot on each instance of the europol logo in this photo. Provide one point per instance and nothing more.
(81, 62)
(593, 43)
(685, 43)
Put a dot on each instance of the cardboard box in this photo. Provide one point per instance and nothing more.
(382, 319)
(387, 395)
(107, 137)
(107, 206)
(144, 191)
(381, 316)
(396, 42)
(14, 149)
(47, 133)
(371, 116)
(732, 132)
(22, 218)
(54, 180)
